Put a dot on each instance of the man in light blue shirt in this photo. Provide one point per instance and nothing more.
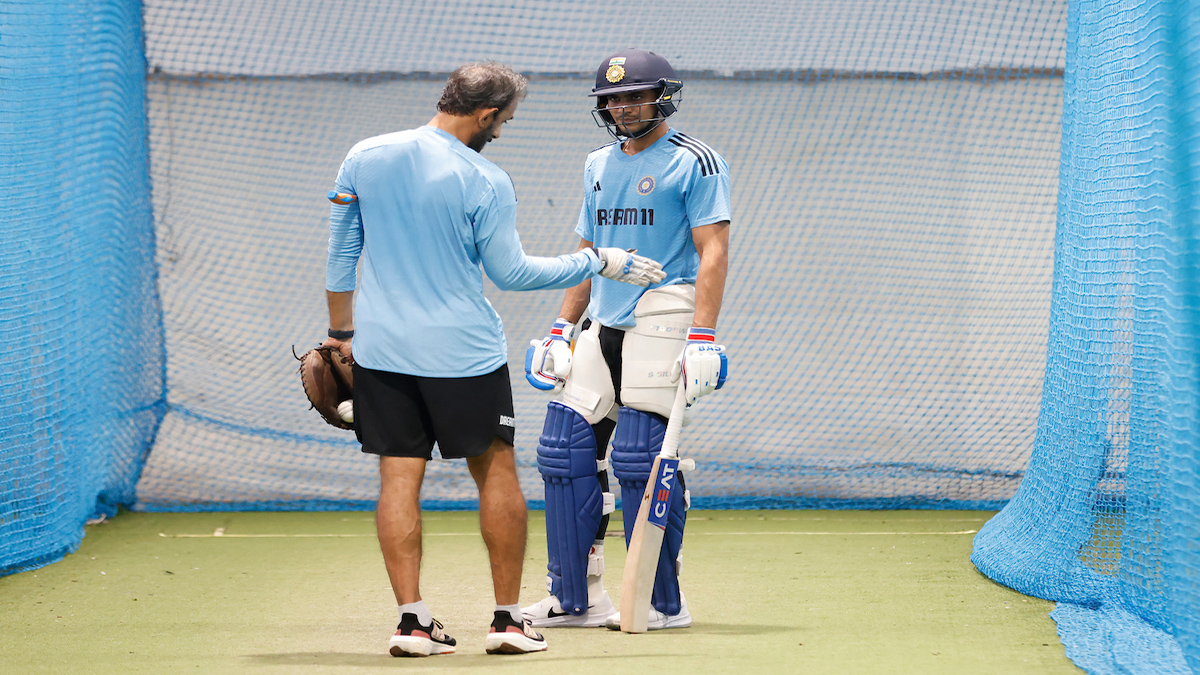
(424, 210)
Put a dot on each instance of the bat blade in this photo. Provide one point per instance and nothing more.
(645, 544)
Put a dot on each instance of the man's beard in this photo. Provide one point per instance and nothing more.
(638, 128)
(481, 139)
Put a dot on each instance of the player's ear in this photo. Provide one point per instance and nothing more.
(486, 117)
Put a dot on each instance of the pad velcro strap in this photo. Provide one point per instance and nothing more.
(595, 566)
(602, 465)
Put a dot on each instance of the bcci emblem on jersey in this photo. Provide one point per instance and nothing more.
(646, 185)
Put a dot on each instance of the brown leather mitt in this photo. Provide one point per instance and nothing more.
(328, 381)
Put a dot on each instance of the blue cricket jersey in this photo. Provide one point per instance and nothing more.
(429, 212)
(650, 201)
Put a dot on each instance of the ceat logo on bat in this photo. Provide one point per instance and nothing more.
(664, 483)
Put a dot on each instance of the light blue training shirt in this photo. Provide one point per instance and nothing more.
(429, 212)
(650, 201)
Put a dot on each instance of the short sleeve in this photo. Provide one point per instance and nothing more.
(707, 195)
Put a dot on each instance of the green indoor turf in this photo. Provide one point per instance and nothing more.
(769, 592)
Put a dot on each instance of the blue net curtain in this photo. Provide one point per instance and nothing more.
(1106, 519)
(82, 366)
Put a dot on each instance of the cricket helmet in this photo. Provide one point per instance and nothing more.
(635, 70)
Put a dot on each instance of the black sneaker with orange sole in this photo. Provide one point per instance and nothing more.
(508, 636)
(413, 639)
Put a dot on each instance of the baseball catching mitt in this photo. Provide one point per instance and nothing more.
(328, 382)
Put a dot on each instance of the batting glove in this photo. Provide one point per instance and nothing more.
(703, 364)
(628, 267)
(548, 361)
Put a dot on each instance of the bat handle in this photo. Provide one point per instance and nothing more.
(670, 446)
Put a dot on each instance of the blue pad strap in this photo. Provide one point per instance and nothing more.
(574, 502)
(638, 439)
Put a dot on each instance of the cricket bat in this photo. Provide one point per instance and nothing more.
(641, 560)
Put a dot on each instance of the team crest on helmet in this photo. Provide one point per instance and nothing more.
(615, 73)
(646, 185)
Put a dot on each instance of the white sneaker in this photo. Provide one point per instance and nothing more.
(549, 613)
(658, 620)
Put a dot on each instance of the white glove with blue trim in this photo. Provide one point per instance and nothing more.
(628, 267)
(548, 361)
(703, 364)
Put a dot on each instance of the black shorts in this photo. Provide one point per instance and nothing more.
(404, 415)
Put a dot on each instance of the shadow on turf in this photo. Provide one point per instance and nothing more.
(456, 660)
(327, 659)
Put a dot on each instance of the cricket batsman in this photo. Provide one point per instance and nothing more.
(666, 195)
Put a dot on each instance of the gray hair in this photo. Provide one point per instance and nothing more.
(481, 85)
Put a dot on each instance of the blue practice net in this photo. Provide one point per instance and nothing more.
(1107, 519)
(903, 233)
(81, 372)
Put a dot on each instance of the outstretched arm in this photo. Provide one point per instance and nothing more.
(576, 299)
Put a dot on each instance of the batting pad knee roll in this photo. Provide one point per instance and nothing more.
(574, 502)
(638, 438)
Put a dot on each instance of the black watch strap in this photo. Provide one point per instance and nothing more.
(341, 334)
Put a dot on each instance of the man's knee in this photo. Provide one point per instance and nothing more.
(497, 464)
(401, 473)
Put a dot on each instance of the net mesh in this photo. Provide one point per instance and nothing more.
(905, 304)
(81, 370)
(1105, 520)
(899, 169)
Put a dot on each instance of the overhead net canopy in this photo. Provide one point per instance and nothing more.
(894, 171)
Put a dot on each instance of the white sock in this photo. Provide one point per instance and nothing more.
(595, 582)
(513, 610)
(418, 608)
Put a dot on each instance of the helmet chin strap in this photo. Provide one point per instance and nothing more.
(644, 132)
(614, 128)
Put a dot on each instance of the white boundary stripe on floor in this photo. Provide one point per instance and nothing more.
(220, 532)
